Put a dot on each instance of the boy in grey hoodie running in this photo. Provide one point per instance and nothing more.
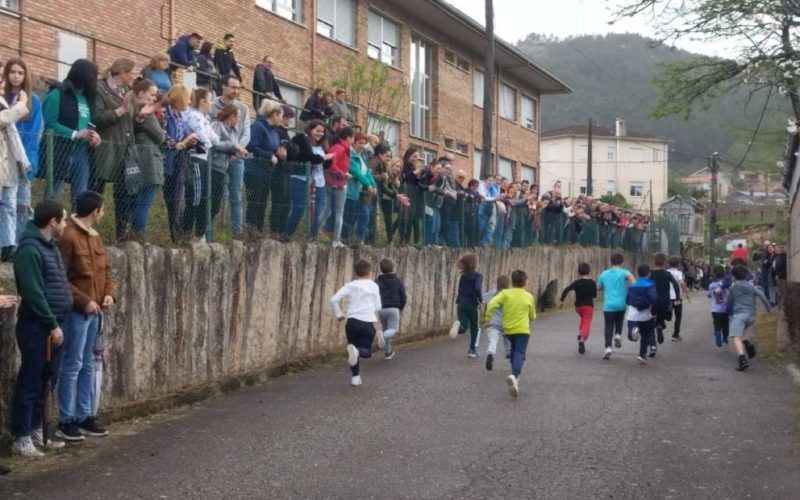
(495, 327)
(741, 306)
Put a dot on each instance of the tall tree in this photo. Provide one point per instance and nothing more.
(488, 91)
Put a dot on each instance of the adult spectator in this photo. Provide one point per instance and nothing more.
(225, 59)
(472, 203)
(265, 86)
(361, 190)
(768, 273)
(16, 79)
(93, 290)
(314, 108)
(413, 170)
(391, 200)
(228, 155)
(308, 157)
(157, 71)
(207, 76)
(487, 218)
(182, 55)
(176, 156)
(378, 163)
(740, 252)
(448, 227)
(230, 89)
(265, 144)
(553, 216)
(150, 138)
(335, 179)
(46, 302)
(340, 106)
(68, 109)
(279, 183)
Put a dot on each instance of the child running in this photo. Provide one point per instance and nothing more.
(519, 310)
(585, 292)
(665, 284)
(363, 301)
(495, 327)
(677, 303)
(393, 301)
(613, 282)
(467, 302)
(719, 315)
(741, 305)
(641, 299)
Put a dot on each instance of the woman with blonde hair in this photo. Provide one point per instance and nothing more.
(157, 71)
(176, 157)
(265, 145)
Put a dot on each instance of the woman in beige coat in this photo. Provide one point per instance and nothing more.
(13, 164)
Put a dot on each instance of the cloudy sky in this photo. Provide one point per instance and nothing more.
(515, 19)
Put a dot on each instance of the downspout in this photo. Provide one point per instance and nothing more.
(313, 32)
(171, 21)
(21, 48)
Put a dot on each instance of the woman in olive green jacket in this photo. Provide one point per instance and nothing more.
(150, 138)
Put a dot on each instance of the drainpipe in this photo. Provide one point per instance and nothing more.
(171, 21)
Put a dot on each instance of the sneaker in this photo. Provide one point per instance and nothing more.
(356, 380)
(641, 360)
(653, 350)
(454, 329)
(743, 364)
(337, 244)
(69, 432)
(724, 342)
(750, 348)
(23, 446)
(513, 386)
(489, 361)
(352, 355)
(388, 355)
(473, 354)
(618, 341)
(660, 335)
(677, 338)
(718, 338)
(52, 444)
(89, 427)
(633, 334)
(608, 354)
(581, 346)
(381, 340)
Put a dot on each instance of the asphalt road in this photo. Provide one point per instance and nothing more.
(433, 424)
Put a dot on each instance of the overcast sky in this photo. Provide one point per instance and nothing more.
(515, 19)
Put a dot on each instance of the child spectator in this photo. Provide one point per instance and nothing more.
(519, 310)
(585, 292)
(467, 302)
(718, 293)
(363, 301)
(741, 306)
(495, 327)
(393, 301)
(641, 299)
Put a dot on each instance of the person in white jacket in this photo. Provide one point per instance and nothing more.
(13, 165)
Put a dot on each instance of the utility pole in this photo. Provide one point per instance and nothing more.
(488, 91)
(713, 163)
(589, 162)
(651, 199)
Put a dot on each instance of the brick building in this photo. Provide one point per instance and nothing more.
(432, 49)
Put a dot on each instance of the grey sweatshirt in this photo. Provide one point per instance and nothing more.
(742, 299)
(242, 128)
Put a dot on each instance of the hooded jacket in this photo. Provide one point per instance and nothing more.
(225, 61)
(642, 292)
(393, 291)
(182, 54)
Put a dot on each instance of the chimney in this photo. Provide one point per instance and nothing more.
(621, 131)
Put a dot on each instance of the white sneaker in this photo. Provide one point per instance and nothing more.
(641, 360)
(513, 386)
(52, 444)
(454, 329)
(352, 355)
(608, 353)
(381, 340)
(356, 380)
(24, 446)
(618, 341)
(337, 244)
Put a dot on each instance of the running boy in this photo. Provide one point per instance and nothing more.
(662, 309)
(467, 302)
(519, 311)
(363, 301)
(741, 305)
(719, 315)
(585, 292)
(677, 303)
(613, 282)
(393, 301)
(495, 327)
(641, 299)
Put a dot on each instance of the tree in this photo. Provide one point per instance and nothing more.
(765, 32)
(618, 200)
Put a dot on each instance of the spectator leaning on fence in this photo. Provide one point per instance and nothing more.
(206, 71)
(225, 59)
(314, 108)
(306, 157)
(150, 138)
(157, 71)
(335, 179)
(264, 84)
(176, 157)
(182, 55)
(361, 189)
(265, 145)
(340, 106)
(227, 155)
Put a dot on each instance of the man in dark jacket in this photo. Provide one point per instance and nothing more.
(393, 301)
(46, 302)
(182, 53)
(225, 60)
(264, 84)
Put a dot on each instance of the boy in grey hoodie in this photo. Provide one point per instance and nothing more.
(741, 306)
(495, 327)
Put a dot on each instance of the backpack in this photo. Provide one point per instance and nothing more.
(639, 301)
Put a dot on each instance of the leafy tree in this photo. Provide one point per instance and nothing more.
(617, 200)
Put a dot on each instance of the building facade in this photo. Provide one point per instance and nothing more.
(432, 50)
(629, 163)
(689, 215)
(703, 180)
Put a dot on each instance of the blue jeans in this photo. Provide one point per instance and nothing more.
(519, 344)
(79, 175)
(433, 222)
(235, 186)
(298, 192)
(319, 207)
(364, 210)
(76, 380)
(24, 209)
(335, 202)
(8, 216)
(141, 208)
(486, 222)
(452, 234)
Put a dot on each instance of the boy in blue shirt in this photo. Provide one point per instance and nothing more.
(641, 300)
(613, 282)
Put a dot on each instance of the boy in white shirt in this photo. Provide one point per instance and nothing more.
(677, 304)
(363, 302)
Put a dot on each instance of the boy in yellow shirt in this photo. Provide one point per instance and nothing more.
(519, 310)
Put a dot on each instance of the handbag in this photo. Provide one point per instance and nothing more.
(132, 173)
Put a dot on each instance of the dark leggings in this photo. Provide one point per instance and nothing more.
(645, 336)
(468, 318)
(678, 310)
(722, 323)
(360, 334)
(389, 215)
(614, 320)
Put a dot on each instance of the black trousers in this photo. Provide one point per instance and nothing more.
(197, 190)
(721, 323)
(614, 321)
(257, 178)
(360, 334)
(677, 309)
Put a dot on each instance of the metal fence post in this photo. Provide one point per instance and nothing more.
(209, 230)
(48, 189)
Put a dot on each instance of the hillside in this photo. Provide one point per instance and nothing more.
(612, 76)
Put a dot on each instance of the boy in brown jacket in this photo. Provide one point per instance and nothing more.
(93, 290)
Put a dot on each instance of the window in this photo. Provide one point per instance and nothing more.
(582, 186)
(508, 102)
(463, 64)
(477, 158)
(637, 155)
(611, 188)
(420, 88)
(427, 155)
(336, 19)
(656, 155)
(505, 167)
(384, 39)
(386, 129)
(289, 9)
(9, 5)
(610, 153)
(450, 56)
(528, 173)
(462, 147)
(459, 62)
(70, 49)
(477, 88)
(637, 189)
(449, 143)
(293, 95)
(529, 113)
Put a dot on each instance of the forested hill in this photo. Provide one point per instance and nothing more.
(613, 76)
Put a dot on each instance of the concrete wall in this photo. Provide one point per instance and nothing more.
(211, 316)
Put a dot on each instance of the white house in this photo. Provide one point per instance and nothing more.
(703, 179)
(630, 163)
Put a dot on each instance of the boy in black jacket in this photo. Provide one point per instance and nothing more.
(393, 300)
(663, 307)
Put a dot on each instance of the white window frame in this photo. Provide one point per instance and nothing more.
(279, 7)
(632, 191)
(70, 49)
(12, 5)
(611, 153)
(582, 186)
(529, 122)
(477, 158)
(420, 120)
(502, 102)
(390, 129)
(389, 51)
(462, 148)
(428, 155)
(636, 155)
(288, 89)
(611, 187)
(506, 163)
(478, 82)
(333, 24)
(656, 155)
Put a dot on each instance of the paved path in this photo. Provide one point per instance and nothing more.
(433, 424)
